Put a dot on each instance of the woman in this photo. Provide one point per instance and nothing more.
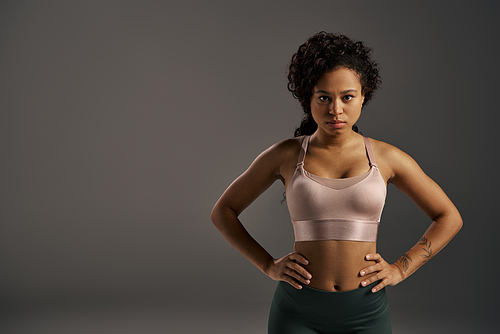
(335, 180)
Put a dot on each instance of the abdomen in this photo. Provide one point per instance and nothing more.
(334, 264)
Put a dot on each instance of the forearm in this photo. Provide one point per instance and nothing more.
(233, 230)
(439, 233)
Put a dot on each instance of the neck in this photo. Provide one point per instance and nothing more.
(328, 140)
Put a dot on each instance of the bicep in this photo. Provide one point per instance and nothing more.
(420, 188)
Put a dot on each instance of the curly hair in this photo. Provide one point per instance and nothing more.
(324, 52)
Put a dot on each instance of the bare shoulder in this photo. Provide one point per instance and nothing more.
(392, 160)
(287, 148)
(283, 155)
(387, 151)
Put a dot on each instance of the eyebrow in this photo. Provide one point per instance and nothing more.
(328, 93)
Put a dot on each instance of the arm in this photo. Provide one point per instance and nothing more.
(261, 174)
(408, 177)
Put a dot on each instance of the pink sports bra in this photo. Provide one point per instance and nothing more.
(336, 209)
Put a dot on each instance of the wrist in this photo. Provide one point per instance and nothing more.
(267, 266)
(401, 272)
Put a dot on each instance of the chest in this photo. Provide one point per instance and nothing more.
(336, 164)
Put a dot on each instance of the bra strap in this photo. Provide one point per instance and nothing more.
(303, 150)
(369, 150)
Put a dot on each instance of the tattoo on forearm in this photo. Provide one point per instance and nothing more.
(427, 249)
(405, 261)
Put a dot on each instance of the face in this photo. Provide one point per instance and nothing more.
(336, 101)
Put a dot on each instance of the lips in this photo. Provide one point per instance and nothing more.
(335, 124)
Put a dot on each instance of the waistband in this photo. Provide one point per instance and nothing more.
(342, 304)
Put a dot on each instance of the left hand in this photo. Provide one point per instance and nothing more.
(390, 274)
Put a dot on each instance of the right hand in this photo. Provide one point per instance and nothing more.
(289, 269)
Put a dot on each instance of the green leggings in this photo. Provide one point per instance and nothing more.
(313, 311)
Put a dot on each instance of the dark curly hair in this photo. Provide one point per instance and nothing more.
(324, 52)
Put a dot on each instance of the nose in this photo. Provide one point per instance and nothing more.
(336, 108)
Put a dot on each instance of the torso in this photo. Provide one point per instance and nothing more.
(333, 264)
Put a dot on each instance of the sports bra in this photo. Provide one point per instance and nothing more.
(336, 209)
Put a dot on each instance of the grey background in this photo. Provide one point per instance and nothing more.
(122, 122)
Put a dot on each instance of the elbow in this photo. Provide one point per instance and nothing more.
(214, 215)
(451, 221)
(457, 221)
(220, 214)
(224, 216)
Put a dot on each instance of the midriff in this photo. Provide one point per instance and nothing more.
(335, 264)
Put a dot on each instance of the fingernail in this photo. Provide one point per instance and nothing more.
(363, 283)
(362, 273)
(309, 276)
(368, 257)
(374, 290)
(307, 282)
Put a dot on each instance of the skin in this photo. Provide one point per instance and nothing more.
(336, 151)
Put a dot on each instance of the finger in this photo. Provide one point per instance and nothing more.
(371, 269)
(366, 271)
(379, 286)
(298, 258)
(297, 276)
(374, 257)
(298, 268)
(370, 280)
(292, 282)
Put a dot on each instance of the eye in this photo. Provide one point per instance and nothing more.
(348, 97)
(324, 98)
